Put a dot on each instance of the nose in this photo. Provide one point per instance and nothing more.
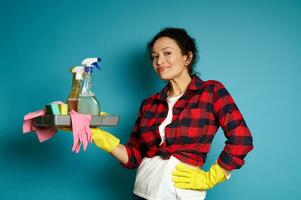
(160, 60)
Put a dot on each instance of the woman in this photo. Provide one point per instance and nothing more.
(175, 127)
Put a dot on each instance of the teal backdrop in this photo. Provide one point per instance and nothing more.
(253, 47)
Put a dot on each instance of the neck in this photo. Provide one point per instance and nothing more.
(179, 84)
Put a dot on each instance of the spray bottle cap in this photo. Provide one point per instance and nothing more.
(89, 63)
(78, 71)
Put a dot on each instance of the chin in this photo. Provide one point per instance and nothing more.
(165, 77)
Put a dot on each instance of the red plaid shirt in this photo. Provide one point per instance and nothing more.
(197, 115)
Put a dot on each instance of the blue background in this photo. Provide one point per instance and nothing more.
(253, 47)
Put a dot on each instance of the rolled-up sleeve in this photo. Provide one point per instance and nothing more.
(239, 139)
(133, 147)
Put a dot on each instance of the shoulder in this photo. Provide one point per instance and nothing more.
(218, 89)
(213, 85)
(148, 101)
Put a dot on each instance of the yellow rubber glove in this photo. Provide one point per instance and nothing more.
(186, 177)
(104, 140)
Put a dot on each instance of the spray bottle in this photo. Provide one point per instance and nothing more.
(87, 101)
(77, 72)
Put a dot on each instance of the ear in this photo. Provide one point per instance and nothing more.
(188, 58)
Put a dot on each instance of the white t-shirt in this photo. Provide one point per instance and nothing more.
(154, 179)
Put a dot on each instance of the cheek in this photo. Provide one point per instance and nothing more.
(154, 64)
(178, 62)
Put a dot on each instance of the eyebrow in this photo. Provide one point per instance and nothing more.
(163, 49)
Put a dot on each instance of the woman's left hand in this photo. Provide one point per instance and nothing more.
(186, 177)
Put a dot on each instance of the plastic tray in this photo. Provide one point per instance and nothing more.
(65, 121)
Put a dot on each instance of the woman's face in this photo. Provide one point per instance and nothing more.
(168, 61)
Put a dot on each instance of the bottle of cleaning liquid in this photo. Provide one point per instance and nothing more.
(77, 72)
(87, 101)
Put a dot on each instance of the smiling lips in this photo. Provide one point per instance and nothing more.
(161, 69)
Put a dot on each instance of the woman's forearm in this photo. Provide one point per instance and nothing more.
(120, 153)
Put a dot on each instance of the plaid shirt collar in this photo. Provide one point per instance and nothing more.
(195, 84)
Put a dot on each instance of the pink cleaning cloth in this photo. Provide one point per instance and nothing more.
(42, 133)
(81, 130)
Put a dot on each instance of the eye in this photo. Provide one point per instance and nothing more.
(166, 53)
(154, 57)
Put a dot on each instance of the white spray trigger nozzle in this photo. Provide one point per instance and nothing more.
(78, 71)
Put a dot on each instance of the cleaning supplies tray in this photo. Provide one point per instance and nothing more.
(65, 121)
